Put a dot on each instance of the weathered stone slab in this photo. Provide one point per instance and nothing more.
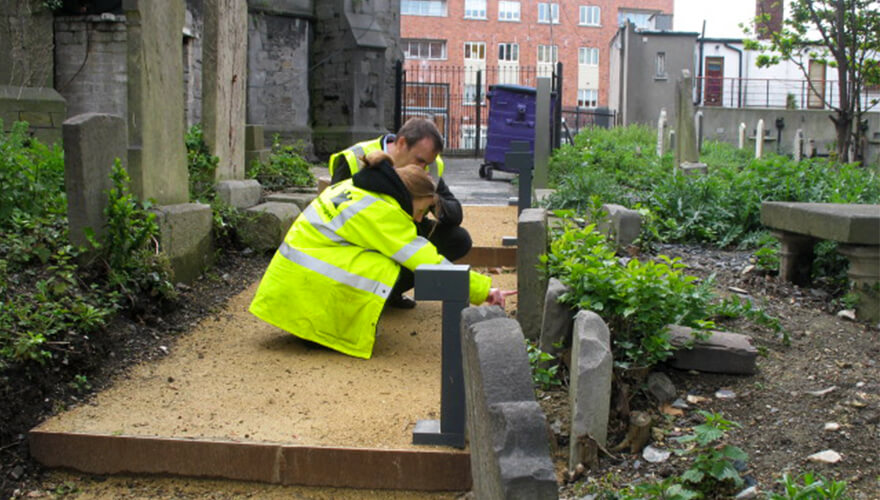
(845, 223)
(92, 143)
(621, 223)
(531, 282)
(722, 352)
(240, 193)
(557, 319)
(265, 225)
(301, 200)
(510, 456)
(590, 384)
(185, 236)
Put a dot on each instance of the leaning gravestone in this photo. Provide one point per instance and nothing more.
(685, 135)
(662, 125)
(759, 139)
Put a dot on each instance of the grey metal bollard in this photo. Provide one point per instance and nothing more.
(450, 284)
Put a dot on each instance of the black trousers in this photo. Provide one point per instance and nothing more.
(453, 242)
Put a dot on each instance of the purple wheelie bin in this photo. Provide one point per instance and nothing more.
(511, 118)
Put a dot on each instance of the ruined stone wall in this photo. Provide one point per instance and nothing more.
(193, 33)
(90, 63)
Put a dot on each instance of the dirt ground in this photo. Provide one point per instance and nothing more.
(830, 373)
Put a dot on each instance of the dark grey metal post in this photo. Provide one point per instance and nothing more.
(521, 158)
(398, 95)
(451, 284)
(479, 108)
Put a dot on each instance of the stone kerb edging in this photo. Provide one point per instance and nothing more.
(508, 433)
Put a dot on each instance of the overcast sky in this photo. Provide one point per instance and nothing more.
(722, 16)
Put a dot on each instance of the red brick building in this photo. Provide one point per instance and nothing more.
(507, 37)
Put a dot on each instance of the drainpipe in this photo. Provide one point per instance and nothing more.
(739, 93)
(700, 69)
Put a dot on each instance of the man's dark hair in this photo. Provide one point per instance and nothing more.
(416, 129)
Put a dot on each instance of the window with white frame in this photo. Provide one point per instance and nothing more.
(588, 56)
(660, 65)
(469, 134)
(475, 51)
(475, 9)
(548, 54)
(508, 11)
(423, 7)
(423, 49)
(470, 94)
(548, 13)
(508, 52)
(588, 98)
(590, 15)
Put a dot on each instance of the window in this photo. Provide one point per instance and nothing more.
(423, 7)
(508, 52)
(423, 49)
(590, 15)
(660, 65)
(475, 9)
(547, 54)
(588, 98)
(475, 51)
(588, 56)
(548, 13)
(508, 11)
(469, 134)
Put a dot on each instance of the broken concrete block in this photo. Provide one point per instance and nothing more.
(722, 352)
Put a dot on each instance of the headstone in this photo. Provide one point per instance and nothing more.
(590, 385)
(686, 137)
(531, 282)
(722, 352)
(798, 147)
(759, 139)
(622, 224)
(156, 151)
(542, 133)
(507, 428)
(185, 236)
(698, 124)
(556, 321)
(92, 142)
(265, 225)
(240, 193)
(662, 125)
(224, 78)
(742, 136)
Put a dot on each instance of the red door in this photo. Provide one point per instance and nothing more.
(714, 87)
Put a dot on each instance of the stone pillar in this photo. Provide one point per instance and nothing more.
(351, 74)
(590, 387)
(686, 140)
(742, 136)
(662, 125)
(92, 143)
(531, 283)
(798, 147)
(156, 152)
(224, 76)
(542, 134)
(759, 139)
(795, 256)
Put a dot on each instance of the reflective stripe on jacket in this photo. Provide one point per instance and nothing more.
(353, 156)
(330, 278)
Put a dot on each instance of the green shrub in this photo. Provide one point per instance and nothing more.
(31, 176)
(636, 299)
(713, 469)
(815, 487)
(201, 165)
(545, 374)
(285, 167)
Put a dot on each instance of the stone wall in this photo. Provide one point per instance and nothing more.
(41, 107)
(278, 74)
(90, 63)
(193, 30)
(25, 43)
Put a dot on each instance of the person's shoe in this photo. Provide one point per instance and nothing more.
(401, 301)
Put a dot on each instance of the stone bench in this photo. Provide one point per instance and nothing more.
(856, 228)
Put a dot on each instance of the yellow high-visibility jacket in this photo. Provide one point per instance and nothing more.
(354, 154)
(329, 279)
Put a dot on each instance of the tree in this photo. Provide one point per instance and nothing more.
(843, 34)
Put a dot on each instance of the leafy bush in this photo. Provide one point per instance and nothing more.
(815, 487)
(201, 165)
(545, 374)
(31, 176)
(285, 167)
(637, 299)
(714, 469)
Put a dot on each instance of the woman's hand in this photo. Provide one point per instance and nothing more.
(497, 296)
